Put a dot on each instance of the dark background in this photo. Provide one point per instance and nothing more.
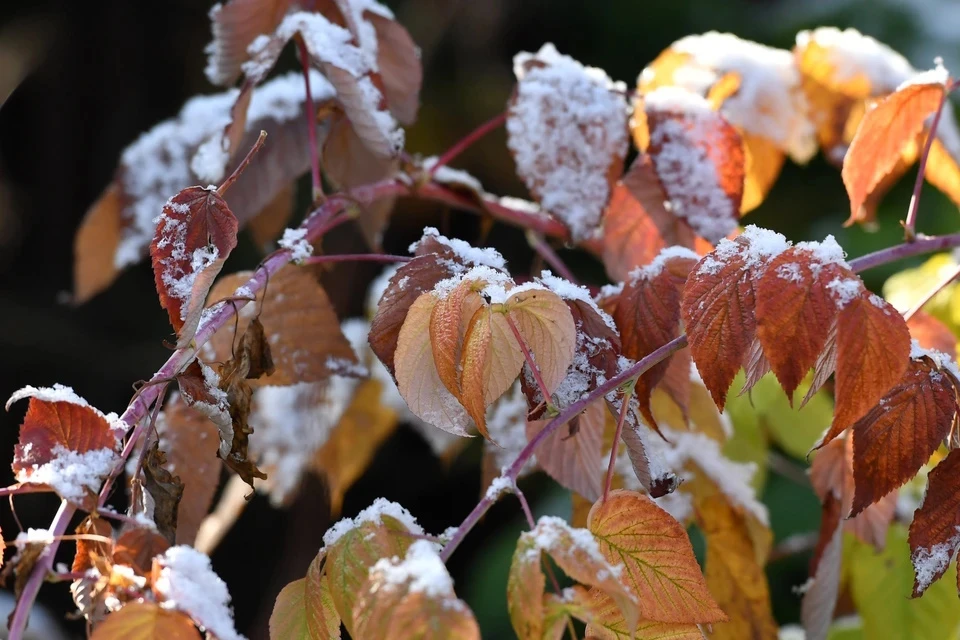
(87, 78)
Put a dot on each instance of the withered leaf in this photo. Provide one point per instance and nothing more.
(166, 490)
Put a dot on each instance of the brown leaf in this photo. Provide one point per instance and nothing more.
(91, 553)
(145, 621)
(266, 226)
(137, 546)
(20, 566)
(96, 243)
(574, 457)
(195, 234)
(235, 24)
(894, 123)
(934, 536)
(566, 129)
(699, 159)
(234, 443)
(298, 323)
(931, 333)
(166, 490)
(873, 348)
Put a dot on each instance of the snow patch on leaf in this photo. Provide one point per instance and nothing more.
(853, 55)
(72, 475)
(929, 564)
(56, 393)
(463, 250)
(372, 514)
(421, 570)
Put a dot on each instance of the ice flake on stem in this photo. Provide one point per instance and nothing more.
(295, 241)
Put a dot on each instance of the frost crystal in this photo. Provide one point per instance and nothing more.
(565, 129)
(295, 241)
(187, 583)
(373, 513)
(928, 564)
(421, 570)
(453, 177)
(652, 270)
(844, 290)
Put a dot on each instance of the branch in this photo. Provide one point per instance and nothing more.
(953, 275)
(356, 257)
(638, 369)
(467, 141)
(922, 244)
(311, 114)
(550, 256)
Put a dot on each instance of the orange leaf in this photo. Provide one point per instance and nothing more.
(96, 243)
(64, 443)
(300, 324)
(931, 333)
(935, 531)
(885, 130)
(734, 576)
(718, 307)
(145, 621)
(137, 546)
(699, 158)
(546, 325)
(574, 456)
(660, 567)
(195, 235)
(873, 348)
(448, 325)
(605, 622)
(797, 306)
(91, 553)
(895, 438)
(567, 131)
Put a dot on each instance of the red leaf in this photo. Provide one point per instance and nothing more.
(718, 307)
(893, 124)
(195, 234)
(873, 348)
(899, 435)
(932, 333)
(797, 306)
(699, 158)
(935, 532)
(235, 25)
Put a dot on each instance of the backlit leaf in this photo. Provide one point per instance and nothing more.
(573, 456)
(145, 621)
(235, 24)
(660, 567)
(546, 325)
(605, 622)
(932, 333)
(304, 610)
(935, 531)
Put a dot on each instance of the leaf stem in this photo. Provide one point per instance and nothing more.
(25, 487)
(311, 114)
(511, 472)
(953, 275)
(538, 244)
(467, 141)
(222, 189)
(922, 244)
(909, 226)
(624, 408)
(547, 399)
(356, 257)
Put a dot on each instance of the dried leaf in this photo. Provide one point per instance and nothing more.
(934, 536)
(655, 550)
(195, 235)
(235, 25)
(91, 553)
(137, 547)
(566, 129)
(145, 621)
(574, 456)
(166, 490)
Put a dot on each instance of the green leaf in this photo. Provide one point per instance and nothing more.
(304, 609)
(881, 584)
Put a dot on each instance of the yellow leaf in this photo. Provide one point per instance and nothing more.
(145, 621)
(544, 321)
(604, 622)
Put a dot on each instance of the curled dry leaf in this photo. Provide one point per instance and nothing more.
(166, 491)
(698, 157)
(120, 226)
(297, 322)
(92, 552)
(195, 234)
(566, 128)
(145, 621)
(412, 597)
(935, 531)
(654, 549)
(64, 443)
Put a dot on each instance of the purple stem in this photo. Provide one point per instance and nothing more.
(910, 224)
(356, 257)
(550, 256)
(923, 244)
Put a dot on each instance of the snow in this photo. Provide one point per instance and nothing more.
(939, 358)
(550, 532)
(466, 253)
(56, 393)
(854, 56)
(937, 75)
(566, 127)
(519, 204)
(295, 241)
(372, 514)
(187, 583)
(845, 290)
(929, 564)
(652, 270)
(500, 485)
(33, 536)
(421, 570)
(754, 246)
(827, 252)
(506, 424)
(72, 474)
(452, 177)
(569, 291)
(769, 101)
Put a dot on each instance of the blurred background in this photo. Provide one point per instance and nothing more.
(80, 81)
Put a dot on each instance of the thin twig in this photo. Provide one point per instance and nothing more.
(953, 275)
(545, 251)
(243, 165)
(624, 408)
(311, 113)
(922, 244)
(26, 487)
(530, 361)
(909, 226)
(356, 257)
(467, 141)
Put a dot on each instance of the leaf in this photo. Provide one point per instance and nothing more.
(885, 130)
(897, 437)
(576, 552)
(880, 586)
(660, 567)
(698, 157)
(449, 322)
(136, 547)
(935, 531)
(418, 381)
(566, 129)
(605, 622)
(145, 621)
(398, 58)
(94, 267)
(412, 598)
(304, 609)
(546, 325)
(931, 333)
(797, 306)
(873, 347)
(733, 575)
(718, 307)
(235, 25)
(647, 314)
(195, 234)
(64, 443)
(166, 491)
(366, 425)
(91, 552)
(820, 594)
(298, 322)
(574, 456)
(193, 441)
(352, 555)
